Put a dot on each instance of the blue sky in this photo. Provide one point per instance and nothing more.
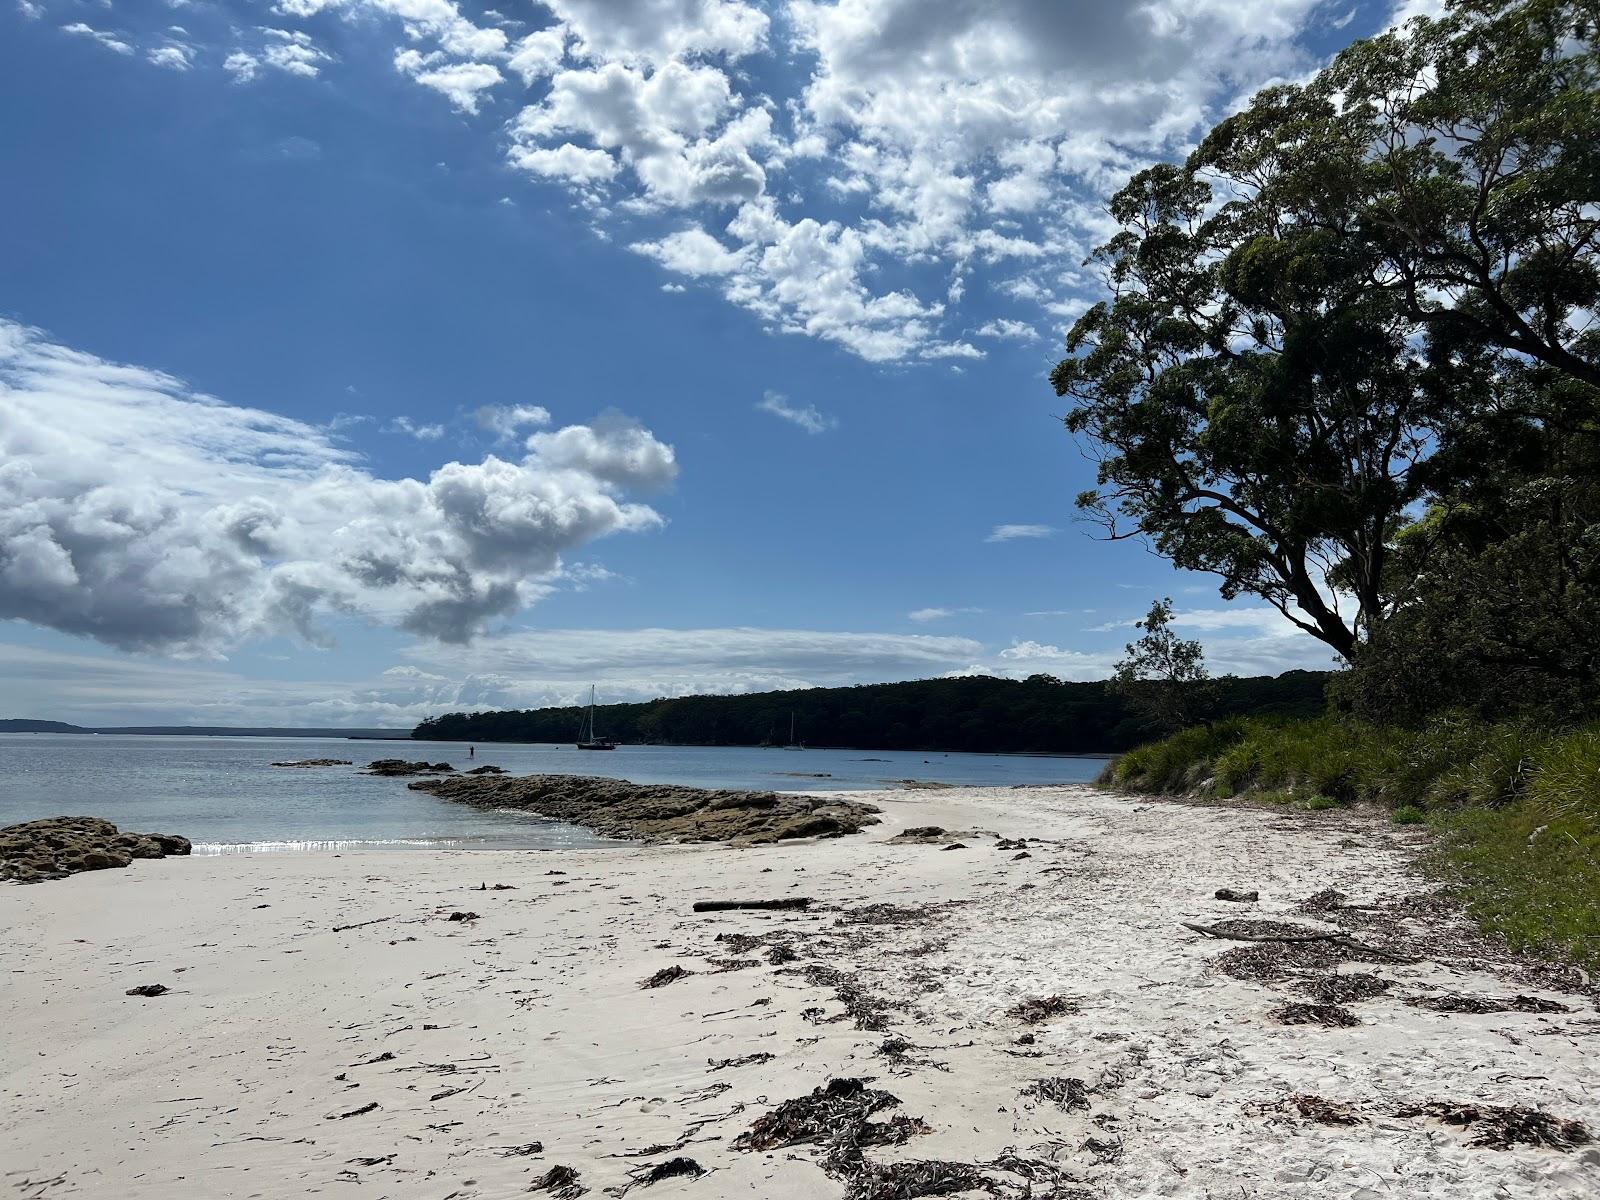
(361, 359)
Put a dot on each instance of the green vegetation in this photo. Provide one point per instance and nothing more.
(1040, 715)
(1349, 363)
(1517, 805)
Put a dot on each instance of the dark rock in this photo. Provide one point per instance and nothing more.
(400, 766)
(660, 812)
(486, 771)
(148, 989)
(1237, 897)
(56, 847)
(315, 762)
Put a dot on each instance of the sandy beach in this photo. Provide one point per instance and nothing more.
(330, 1030)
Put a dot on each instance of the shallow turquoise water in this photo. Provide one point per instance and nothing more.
(223, 794)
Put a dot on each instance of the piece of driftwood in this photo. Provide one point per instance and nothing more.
(792, 902)
(362, 924)
(1336, 938)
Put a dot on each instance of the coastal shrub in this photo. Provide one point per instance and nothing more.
(1408, 814)
(1565, 781)
(1176, 764)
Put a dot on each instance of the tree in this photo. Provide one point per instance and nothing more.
(1161, 675)
(1255, 407)
(1328, 292)
(1460, 157)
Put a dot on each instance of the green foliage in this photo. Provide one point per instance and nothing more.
(1038, 715)
(1162, 675)
(1529, 876)
(1408, 814)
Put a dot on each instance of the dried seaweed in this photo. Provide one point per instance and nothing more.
(867, 1009)
(1331, 1015)
(837, 1108)
(748, 1060)
(724, 965)
(741, 943)
(1038, 1009)
(920, 1177)
(563, 1183)
(645, 1176)
(665, 976)
(1323, 1111)
(1327, 900)
(1453, 1003)
(1346, 988)
(1065, 1093)
(1499, 1128)
(780, 954)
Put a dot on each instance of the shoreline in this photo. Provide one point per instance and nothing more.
(329, 1023)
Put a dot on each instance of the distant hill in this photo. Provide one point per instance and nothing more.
(21, 725)
(1039, 715)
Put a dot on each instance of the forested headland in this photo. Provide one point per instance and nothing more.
(1040, 715)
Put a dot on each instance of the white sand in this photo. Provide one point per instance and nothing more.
(529, 1025)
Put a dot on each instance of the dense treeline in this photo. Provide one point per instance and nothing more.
(1041, 715)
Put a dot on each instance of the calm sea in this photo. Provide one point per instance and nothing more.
(224, 794)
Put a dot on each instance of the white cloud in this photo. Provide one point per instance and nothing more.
(109, 40)
(145, 515)
(461, 83)
(423, 433)
(1004, 327)
(505, 421)
(806, 416)
(855, 171)
(939, 614)
(292, 52)
(174, 56)
(1009, 533)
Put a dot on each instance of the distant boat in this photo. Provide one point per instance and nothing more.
(793, 745)
(586, 736)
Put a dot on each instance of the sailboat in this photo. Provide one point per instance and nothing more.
(586, 737)
(793, 745)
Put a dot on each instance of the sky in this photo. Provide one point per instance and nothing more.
(362, 360)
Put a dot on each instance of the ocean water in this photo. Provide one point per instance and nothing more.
(224, 795)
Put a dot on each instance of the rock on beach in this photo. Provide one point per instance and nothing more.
(56, 847)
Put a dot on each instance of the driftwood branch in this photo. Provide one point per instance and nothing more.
(1336, 938)
(361, 924)
(724, 905)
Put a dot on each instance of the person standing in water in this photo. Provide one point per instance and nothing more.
(472, 751)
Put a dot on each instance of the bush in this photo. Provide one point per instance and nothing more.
(1408, 814)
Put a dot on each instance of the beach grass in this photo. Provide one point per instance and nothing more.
(1516, 805)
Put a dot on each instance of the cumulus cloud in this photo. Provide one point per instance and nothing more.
(1010, 533)
(856, 171)
(806, 416)
(109, 40)
(506, 421)
(140, 513)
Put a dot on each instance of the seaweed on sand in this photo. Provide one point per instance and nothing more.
(837, 1109)
(1496, 1127)
(1331, 1015)
(1450, 1003)
(1346, 988)
(645, 1176)
(1038, 1009)
(1064, 1092)
(563, 1183)
(665, 976)
(1322, 1110)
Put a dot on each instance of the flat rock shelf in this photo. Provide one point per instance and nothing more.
(660, 812)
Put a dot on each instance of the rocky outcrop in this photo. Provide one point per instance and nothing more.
(315, 762)
(400, 766)
(60, 846)
(660, 812)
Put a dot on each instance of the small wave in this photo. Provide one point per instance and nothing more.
(288, 847)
